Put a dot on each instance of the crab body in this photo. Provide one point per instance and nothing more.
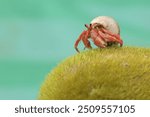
(103, 30)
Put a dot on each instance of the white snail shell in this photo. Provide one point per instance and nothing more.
(108, 23)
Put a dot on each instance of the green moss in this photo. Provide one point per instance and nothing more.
(111, 73)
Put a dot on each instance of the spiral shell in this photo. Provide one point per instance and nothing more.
(108, 23)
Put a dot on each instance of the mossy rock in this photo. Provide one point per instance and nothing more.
(110, 73)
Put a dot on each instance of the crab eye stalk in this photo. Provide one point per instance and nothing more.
(86, 25)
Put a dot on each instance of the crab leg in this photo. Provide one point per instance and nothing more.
(84, 38)
(113, 37)
(98, 39)
(78, 40)
(107, 37)
(86, 41)
(108, 32)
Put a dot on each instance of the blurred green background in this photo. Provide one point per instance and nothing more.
(35, 35)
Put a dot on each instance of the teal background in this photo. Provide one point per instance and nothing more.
(35, 35)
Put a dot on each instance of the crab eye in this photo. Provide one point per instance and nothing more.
(94, 25)
(86, 25)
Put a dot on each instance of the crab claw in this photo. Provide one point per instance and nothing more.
(121, 43)
(118, 39)
(112, 37)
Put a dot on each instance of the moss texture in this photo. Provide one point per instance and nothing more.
(111, 73)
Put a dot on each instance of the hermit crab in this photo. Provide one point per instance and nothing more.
(103, 30)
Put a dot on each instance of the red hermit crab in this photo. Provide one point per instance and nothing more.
(103, 30)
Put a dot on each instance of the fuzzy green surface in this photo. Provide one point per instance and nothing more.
(110, 73)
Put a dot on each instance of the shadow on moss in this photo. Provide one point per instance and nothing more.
(111, 73)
